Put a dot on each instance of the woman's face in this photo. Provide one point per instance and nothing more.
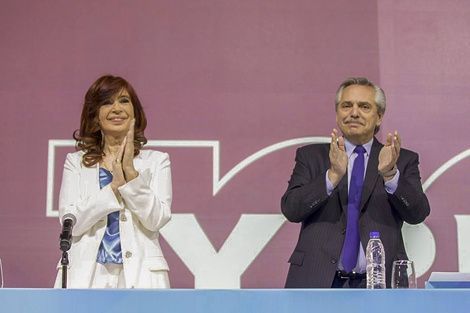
(116, 114)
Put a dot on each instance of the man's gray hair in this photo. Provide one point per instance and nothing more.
(380, 100)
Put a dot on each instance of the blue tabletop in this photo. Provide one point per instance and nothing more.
(243, 300)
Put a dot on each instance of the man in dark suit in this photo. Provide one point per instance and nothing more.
(317, 195)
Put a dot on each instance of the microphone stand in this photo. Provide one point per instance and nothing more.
(64, 261)
(65, 242)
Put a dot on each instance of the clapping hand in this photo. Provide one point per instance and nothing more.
(128, 155)
(123, 165)
(390, 152)
(338, 158)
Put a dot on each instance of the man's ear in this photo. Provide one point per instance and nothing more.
(381, 115)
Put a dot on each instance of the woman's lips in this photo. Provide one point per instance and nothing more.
(117, 119)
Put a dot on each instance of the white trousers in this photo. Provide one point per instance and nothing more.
(111, 275)
(108, 276)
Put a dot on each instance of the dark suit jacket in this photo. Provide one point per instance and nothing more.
(318, 250)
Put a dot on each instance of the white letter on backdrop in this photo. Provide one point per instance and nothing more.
(420, 246)
(223, 269)
(463, 239)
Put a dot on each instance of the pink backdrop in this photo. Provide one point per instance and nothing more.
(248, 74)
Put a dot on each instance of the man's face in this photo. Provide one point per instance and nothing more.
(356, 114)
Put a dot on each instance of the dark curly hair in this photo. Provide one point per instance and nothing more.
(88, 137)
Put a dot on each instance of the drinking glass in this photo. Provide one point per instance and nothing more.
(403, 275)
(1, 274)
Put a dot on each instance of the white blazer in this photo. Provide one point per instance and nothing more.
(144, 210)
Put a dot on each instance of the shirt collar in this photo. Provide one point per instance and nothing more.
(350, 146)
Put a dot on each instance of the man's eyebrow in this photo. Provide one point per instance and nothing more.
(358, 103)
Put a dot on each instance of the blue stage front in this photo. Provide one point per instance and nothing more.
(224, 301)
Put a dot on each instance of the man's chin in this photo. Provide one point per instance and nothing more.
(352, 135)
(351, 131)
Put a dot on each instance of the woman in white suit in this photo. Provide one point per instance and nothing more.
(119, 194)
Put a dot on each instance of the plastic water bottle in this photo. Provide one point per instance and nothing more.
(375, 262)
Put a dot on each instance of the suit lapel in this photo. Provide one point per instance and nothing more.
(138, 162)
(372, 173)
(343, 192)
(89, 179)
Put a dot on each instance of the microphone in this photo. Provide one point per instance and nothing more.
(68, 221)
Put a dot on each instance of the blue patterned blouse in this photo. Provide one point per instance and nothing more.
(110, 248)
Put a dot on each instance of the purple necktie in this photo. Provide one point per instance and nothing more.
(351, 242)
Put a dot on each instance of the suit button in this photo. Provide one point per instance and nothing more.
(343, 231)
(128, 254)
(123, 218)
(333, 261)
(404, 201)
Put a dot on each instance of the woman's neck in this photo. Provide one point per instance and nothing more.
(112, 145)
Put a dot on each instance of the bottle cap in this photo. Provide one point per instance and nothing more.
(374, 234)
